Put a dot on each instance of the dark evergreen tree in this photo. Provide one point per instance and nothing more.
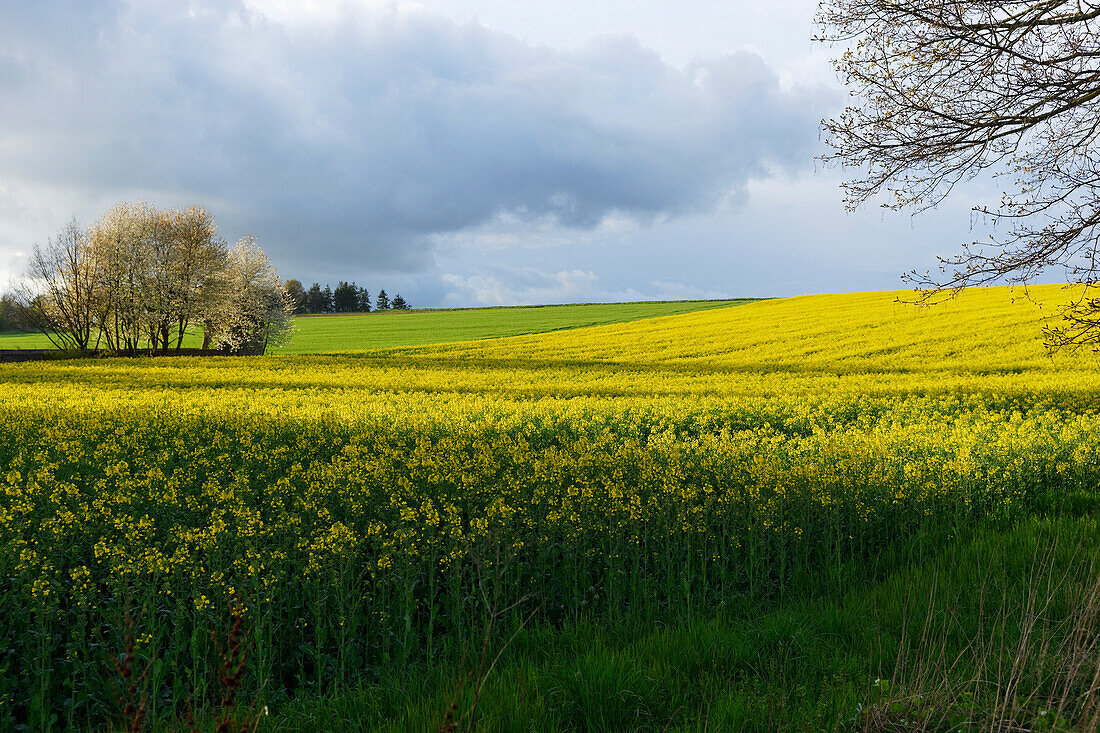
(383, 301)
(399, 303)
(363, 305)
(328, 304)
(315, 299)
(345, 299)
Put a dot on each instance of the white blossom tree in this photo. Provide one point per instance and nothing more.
(254, 310)
(197, 259)
(121, 241)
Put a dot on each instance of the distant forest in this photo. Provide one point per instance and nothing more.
(345, 298)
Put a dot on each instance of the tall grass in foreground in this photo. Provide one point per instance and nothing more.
(944, 643)
(1020, 650)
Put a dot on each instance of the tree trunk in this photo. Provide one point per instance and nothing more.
(182, 328)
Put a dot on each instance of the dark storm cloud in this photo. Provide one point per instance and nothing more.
(358, 140)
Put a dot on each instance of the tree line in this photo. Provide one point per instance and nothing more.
(345, 298)
(141, 279)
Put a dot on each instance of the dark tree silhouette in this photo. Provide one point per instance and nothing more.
(315, 299)
(345, 299)
(946, 89)
(383, 301)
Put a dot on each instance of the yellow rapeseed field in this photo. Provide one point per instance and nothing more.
(356, 507)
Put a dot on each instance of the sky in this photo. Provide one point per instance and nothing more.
(460, 152)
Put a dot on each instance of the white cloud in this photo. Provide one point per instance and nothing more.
(679, 290)
(502, 285)
(530, 286)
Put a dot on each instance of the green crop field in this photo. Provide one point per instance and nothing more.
(20, 340)
(362, 331)
(824, 513)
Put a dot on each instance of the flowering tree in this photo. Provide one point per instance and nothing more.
(159, 271)
(197, 257)
(253, 310)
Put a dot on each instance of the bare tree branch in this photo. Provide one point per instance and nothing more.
(944, 90)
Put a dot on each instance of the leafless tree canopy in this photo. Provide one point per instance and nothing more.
(63, 302)
(946, 89)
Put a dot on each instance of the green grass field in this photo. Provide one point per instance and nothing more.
(392, 329)
(363, 331)
(19, 340)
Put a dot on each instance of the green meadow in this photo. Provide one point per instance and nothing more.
(392, 329)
